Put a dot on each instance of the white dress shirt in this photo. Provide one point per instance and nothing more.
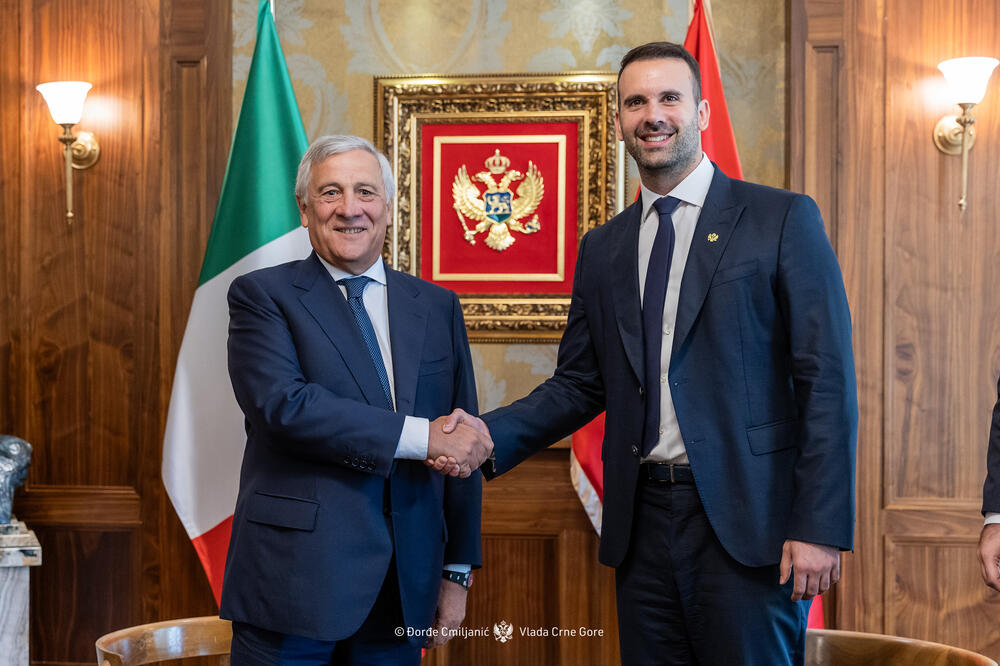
(692, 192)
(416, 430)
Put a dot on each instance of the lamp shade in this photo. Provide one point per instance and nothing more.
(967, 77)
(65, 100)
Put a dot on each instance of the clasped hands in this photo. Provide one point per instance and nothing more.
(458, 444)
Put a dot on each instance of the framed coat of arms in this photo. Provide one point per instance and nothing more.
(499, 178)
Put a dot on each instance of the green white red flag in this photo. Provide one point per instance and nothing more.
(256, 225)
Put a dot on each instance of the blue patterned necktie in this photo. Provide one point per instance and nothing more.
(653, 296)
(355, 290)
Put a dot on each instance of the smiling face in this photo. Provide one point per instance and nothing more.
(345, 210)
(659, 120)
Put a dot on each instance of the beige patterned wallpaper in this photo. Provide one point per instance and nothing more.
(334, 47)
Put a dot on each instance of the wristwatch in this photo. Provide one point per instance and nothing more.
(463, 579)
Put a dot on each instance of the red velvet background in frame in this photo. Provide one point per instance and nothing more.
(540, 262)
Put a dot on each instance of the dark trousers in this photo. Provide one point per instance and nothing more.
(683, 600)
(374, 644)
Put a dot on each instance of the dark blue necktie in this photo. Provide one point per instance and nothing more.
(653, 295)
(355, 290)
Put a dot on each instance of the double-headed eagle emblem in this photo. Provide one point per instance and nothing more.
(498, 210)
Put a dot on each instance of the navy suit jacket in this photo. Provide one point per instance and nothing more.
(761, 374)
(991, 489)
(311, 542)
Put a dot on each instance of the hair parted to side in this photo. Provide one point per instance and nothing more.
(326, 147)
(659, 51)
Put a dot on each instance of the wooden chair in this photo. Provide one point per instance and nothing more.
(162, 641)
(854, 648)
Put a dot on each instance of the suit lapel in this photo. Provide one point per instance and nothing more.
(625, 282)
(407, 326)
(718, 219)
(327, 304)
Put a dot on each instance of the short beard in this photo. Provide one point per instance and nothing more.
(684, 152)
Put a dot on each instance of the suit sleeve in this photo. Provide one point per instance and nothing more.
(814, 305)
(991, 489)
(305, 419)
(563, 403)
(463, 497)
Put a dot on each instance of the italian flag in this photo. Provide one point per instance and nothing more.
(256, 225)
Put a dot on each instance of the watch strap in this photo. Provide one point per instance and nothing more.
(463, 579)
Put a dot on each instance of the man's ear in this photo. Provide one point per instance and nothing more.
(303, 218)
(618, 127)
(703, 113)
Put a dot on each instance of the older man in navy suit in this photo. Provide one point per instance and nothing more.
(345, 547)
(710, 320)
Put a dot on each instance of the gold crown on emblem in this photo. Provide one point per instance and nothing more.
(498, 163)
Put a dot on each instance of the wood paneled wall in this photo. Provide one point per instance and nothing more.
(922, 279)
(540, 571)
(91, 317)
(91, 314)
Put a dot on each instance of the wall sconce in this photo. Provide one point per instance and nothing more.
(65, 100)
(954, 135)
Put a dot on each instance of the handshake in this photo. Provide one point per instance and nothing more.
(458, 444)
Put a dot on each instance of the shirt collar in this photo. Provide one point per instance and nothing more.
(692, 190)
(376, 272)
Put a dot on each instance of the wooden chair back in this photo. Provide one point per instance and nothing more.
(163, 641)
(853, 648)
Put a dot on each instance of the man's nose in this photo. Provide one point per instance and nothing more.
(350, 205)
(654, 118)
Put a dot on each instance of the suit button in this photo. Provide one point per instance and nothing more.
(641, 391)
(635, 450)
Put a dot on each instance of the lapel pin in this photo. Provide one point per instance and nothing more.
(712, 237)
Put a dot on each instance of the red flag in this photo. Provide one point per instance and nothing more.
(586, 469)
(717, 141)
(815, 620)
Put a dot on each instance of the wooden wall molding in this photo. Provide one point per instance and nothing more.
(921, 280)
(540, 569)
(91, 315)
(933, 587)
(81, 506)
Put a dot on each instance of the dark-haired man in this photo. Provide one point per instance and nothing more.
(709, 319)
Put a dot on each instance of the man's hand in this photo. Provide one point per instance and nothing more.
(459, 449)
(460, 416)
(450, 612)
(989, 555)
(815, 567)
(447, 464)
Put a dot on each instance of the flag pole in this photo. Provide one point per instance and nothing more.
(271, 4)
(706, 6)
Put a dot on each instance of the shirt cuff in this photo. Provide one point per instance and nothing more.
(992, 518)
(413, 440)
(466, 568)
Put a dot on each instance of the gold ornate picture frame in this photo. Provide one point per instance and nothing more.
(529, 161)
